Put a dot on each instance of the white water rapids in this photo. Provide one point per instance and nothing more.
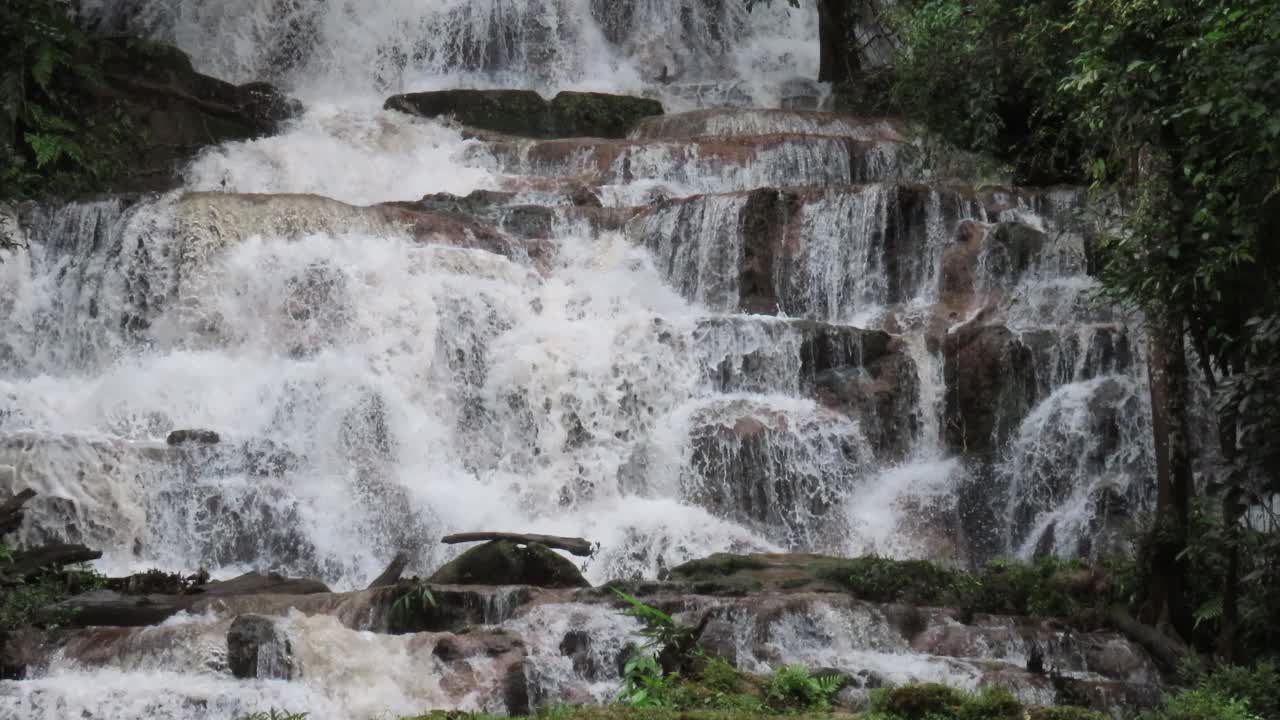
(374, 391)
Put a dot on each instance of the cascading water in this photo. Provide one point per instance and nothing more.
(380, 378)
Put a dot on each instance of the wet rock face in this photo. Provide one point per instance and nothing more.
(501, 562)
(865, 374)
(525, 113)
(179, 110)
(258, 649)
(990, 386)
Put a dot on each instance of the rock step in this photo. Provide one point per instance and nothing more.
(767, 611)
(735, 122)
(525, 113)
(703, 164)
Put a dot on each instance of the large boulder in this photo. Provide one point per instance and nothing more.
(990, 386)
(155, 92)
(502, 562)
(258, 648)
(525, 113)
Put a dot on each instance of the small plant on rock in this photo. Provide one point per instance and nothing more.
(794, 688)
(274, 714)
(644, 684)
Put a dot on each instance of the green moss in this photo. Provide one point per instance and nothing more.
(505, 563)
(917, 702)
(916, 582)
(718, 565)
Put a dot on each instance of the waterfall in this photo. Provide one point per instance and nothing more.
(753, 346)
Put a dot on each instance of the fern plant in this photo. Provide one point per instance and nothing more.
(793, 687)
(50, 140)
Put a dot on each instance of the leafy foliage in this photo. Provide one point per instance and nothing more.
(1048, 587)
(29, 602)
(274, 714)
(644, 684)
(1172, 112)
(793, 688)
(48, 142)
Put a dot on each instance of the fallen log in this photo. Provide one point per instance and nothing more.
(11, 511)
(1166, 651)
(576, 546)
(391, 575)
(29, 563)
(108, 608)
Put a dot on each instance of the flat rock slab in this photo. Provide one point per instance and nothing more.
(526, 114)
(578, 546)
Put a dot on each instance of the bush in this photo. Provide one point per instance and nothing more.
(990, 703)
(1201, 704)
(1259, 686)
(719, 675)
(916, 582)
(794, 688)
(917, 702)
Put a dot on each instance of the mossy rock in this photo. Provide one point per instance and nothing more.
(502, 562)
(526, 114)
(599, 114)
(918, 702)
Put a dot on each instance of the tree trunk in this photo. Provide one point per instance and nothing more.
(1167, 605)
(1232, 510)
(840, 59)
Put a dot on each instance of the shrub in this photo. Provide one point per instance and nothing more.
(794, 688)
(917, 702)
(1201, 704)
(719, 675)
(1259, 686)
(990, 703)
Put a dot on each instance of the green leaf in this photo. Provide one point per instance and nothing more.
(42, 68)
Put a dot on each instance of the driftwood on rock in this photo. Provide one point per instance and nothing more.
(29, 563)
(576, 546)
(108, 608)
(391, 575)
(11, 511)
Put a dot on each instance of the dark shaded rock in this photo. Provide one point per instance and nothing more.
(867, 374)
(270, 584)
(108, 608)
(577, 646)
(20, 651)
(1021, 245)
(515, 690)
(257, 649)
(449, 609)
(525, 113)
(762, 223)
(193, 437)
(502, 562)
(990, 380)
(754, 466)
(11, 511)
(178, 110)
